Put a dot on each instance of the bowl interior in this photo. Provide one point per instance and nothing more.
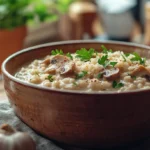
(19, 59)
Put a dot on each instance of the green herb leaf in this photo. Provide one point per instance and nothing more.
(127, 54)
(84, 54)
(81, 75)
(143, 61)
(69, 55)
(37, 73)
(133, 77)
(50, 78)
(96, 53)
(124, 57)
(16, 13)
(103, 60)
(117, 85)
(57, 52)
(113, 63)
(99, 75)
(138, 58)
(106, 64)
(105, 50)
(75, 83)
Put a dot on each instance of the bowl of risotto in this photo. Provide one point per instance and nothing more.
(84, 93)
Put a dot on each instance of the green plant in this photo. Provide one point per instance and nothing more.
(63, 5)
(15, 13)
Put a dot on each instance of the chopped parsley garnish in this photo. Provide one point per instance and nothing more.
(127, 54)
(50, 78)
(105, 50)
(133, 77)
(123, 56)
(99, 75)
(57, 51)
(37, 73)
(103, 60)
(75, 83)
(84, 54)
(113, 63)
(96, 53)
(81, 75)
(69, 55)
(138, 58)
(117, 85)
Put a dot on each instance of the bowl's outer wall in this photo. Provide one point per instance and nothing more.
(89, 120)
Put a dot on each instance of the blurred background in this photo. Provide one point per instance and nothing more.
(25, 23)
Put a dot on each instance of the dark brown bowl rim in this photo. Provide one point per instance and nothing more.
(5, 72)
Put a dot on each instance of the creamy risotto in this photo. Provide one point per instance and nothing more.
(89, 70)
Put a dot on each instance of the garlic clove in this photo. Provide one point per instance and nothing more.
(11, 139)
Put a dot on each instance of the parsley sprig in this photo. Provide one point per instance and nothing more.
(69, 55)
(99, 75)
(137, 57)
(37, 73)
(117, 85)
(75, 83)
(81, 75)
(50, 78)
(113, 63)
(104, 61)
(57, 51)
(124, 57)
(84, 54)
(105, 50)
(133, 77)
(127, 54)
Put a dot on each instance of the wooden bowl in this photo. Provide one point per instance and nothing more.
(72, 117)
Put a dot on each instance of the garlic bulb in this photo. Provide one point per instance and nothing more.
(10, 139)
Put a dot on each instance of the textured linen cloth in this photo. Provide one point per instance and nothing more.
(7, 116)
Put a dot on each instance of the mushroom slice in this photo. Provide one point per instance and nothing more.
(61, 64)
(140, 71)
(111, 74)
(51, 69)
(46, 61)
(66, 68)
(59, 59)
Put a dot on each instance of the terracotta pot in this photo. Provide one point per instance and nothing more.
(11, 41)
(74, 117)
